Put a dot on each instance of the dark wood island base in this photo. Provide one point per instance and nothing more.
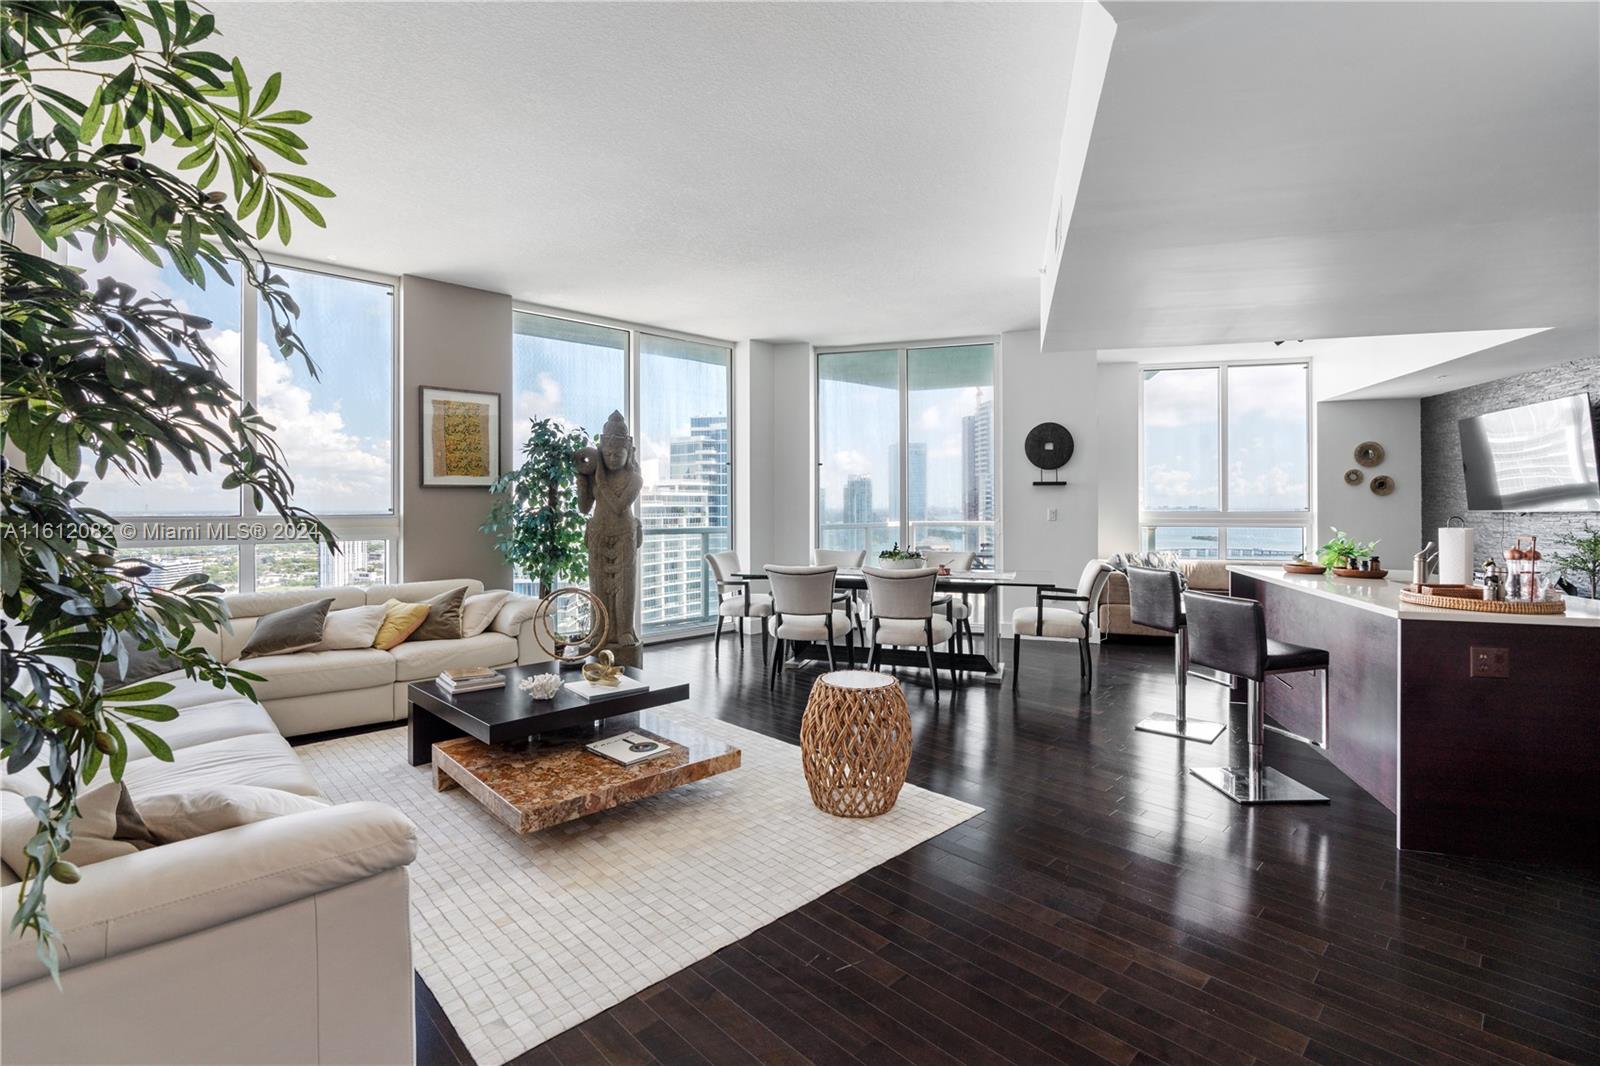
(1480, 766)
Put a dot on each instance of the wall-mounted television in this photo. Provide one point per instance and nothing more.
(1540, 457)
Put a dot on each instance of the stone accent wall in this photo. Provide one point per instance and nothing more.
(1444, 491)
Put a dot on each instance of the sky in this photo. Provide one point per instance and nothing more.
(1268, 447)
(334, 432)
(860, 422)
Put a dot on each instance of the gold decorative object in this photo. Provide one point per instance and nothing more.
(603, 671)
(1382, 485)
(1353, 476)
(1369, 453)
(574, 647)
(855, 743)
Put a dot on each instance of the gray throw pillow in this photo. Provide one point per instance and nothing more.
(444, 616)
(141, 664)
(289, 630)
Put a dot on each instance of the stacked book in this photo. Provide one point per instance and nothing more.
(469, 679)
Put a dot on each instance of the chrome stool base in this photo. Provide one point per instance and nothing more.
(1170, 725)
(1269, 787)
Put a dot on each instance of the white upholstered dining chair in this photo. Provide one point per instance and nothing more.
(803, 609)
(735, 600)
(903, 615)
(1041, 622)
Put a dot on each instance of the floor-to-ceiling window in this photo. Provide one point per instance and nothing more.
(336, 431)
(905, 449)
(1225, 460)
(676, 393)
(684, 452)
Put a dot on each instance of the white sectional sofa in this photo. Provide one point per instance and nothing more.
(314, 691)
(284, 941)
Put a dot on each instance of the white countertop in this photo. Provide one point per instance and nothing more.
(1383, 597)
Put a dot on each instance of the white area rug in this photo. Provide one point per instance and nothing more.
(511, 932)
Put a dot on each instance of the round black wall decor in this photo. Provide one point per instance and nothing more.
(1048, 445)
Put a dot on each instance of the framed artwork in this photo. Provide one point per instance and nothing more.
(460, 437)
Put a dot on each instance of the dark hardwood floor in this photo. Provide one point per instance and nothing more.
(1107, 907)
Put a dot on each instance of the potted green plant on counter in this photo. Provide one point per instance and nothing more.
(1342, 551)
(535, 519)
(1579, 558)
(898, 558)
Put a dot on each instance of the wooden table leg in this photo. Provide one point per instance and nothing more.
(425, 730)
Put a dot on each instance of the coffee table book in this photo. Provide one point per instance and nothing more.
(589, 690)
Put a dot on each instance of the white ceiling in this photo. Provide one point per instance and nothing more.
(828, 172)
(1263, 171)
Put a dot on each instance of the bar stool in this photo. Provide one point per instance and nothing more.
(1155, 599)
(1230, 635)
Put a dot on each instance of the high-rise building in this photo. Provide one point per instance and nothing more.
(673, 582)
(916, 474)
(858, 500)
(977, 464)
(702, 458)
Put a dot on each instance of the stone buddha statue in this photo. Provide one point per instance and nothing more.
(608, 484)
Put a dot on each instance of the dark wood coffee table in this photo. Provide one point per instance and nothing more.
(506, 715)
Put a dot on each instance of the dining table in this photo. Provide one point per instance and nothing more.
(986, 585)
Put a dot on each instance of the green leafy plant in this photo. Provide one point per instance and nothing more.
(1580, 557)
(535, 519)
(1342, 546)
(94, 373)
(898, 554)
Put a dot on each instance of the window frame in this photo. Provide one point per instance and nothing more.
(903, 350)
(1223, 518)
(632, 408)
(251, 527)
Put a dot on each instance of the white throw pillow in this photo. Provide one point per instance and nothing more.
(477, 612)
(106, 827)
(181, 815)
(353, 627)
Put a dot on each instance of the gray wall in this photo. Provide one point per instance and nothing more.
(1444, 490)
(454, 337)
(1392, 520)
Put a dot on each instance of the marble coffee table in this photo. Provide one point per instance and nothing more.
(534, 788)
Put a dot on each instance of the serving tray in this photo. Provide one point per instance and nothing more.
(1342, 572)
(1462, 603)
(1303, 568)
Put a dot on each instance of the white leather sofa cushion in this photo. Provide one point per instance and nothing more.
(1058, 623)
(514, 614)
(417, 591)
(166, 892)
(305, 672)
(424, 659)
(812, 626)
(259, 759)
(913, 632)
(205, 723)
(187, 692)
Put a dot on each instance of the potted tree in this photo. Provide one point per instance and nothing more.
(535, 518)
(96, 374)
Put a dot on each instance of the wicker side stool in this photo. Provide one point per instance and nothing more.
(855, 743)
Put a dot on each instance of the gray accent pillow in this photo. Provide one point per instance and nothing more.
(141, 664)
(444, 616)
(289, 630)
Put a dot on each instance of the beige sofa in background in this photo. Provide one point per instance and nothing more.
(314, 691)
(1203, 575)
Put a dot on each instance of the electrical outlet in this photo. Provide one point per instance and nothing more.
(1490, 662)
(1050, 514)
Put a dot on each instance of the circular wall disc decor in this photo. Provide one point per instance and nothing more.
(1369, 453)
(1382, 485)
(1048, 445)
(1353, 476)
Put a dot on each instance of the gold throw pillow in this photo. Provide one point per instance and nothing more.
(400, 620)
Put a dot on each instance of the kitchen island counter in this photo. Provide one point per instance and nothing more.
(1481, 732)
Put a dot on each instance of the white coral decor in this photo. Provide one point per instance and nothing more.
(542, 686)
